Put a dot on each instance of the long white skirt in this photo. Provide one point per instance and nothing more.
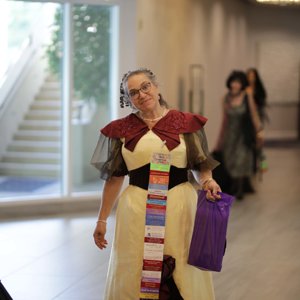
(125, 266)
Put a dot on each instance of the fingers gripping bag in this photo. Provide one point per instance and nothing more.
(209, 235)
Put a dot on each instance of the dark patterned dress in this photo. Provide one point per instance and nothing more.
(237, 147)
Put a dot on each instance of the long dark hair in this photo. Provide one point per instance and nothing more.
(260, 94)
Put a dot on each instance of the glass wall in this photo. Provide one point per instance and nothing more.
(30, 96)
(34, 158)
(92, 30)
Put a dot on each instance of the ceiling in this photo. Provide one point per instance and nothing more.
(289, 3)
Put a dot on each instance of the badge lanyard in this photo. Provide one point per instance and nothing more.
(155, 226)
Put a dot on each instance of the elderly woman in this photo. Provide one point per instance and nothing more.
(126, 147)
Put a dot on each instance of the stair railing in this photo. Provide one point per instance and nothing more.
(22, 81)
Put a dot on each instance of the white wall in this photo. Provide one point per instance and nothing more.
(221, 36)
(275, 48)
(173, 34)
(227, 48)
(275, 40)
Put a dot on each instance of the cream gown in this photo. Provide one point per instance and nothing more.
(125, 266)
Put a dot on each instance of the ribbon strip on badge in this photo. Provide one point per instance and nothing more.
(155, 226)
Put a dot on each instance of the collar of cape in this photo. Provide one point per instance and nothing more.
(132, 128)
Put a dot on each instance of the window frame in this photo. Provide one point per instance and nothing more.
(123, 59)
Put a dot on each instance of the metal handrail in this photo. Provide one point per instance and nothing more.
(14, 72)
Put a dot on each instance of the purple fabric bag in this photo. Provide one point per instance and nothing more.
(209, 236)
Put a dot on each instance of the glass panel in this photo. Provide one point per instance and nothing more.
(31, 45)
(92, 36)
(30, 98)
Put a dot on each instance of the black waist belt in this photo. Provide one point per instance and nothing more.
(140, 176)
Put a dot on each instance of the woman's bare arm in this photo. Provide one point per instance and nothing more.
(111, 190)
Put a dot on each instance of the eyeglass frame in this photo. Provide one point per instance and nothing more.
(145, 85)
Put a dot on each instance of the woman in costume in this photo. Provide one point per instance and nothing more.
(240, 132)
(124, 148)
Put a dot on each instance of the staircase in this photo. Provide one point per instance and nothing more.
(36, 147)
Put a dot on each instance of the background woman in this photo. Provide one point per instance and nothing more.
(240, 127)
(257, 88)
(259, 93)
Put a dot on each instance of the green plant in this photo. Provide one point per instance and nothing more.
(91, 56)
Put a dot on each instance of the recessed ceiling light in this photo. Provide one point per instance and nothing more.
(279, 1)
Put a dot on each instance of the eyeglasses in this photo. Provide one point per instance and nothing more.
(135, 93)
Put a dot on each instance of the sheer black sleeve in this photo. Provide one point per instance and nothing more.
(108, 159)
(198, 156)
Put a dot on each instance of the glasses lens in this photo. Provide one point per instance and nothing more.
(146, 87)
(133, 93)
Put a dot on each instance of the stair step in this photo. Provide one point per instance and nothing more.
(49, 94)
(39, 123)
(32, 148)
(38, 98)
(52, 85)
(51, 78)
(47, 125)
(46, 170)
(43, 115)
(46, 105)
(25, 126)
(4, 165)
(32, 158)
(42, 112)
(37, 146)
(37, 135)
(31, 155)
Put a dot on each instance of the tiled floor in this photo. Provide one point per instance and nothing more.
(55, 258)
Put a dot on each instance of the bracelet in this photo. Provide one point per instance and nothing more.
(206, 181)
(101, 221)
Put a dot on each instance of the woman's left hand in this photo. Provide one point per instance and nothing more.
(260, 139)
(212, 190)
(249, 91)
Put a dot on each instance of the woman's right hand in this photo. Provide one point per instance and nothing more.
(99, 235)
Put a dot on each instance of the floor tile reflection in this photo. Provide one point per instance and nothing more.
(55, 257)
